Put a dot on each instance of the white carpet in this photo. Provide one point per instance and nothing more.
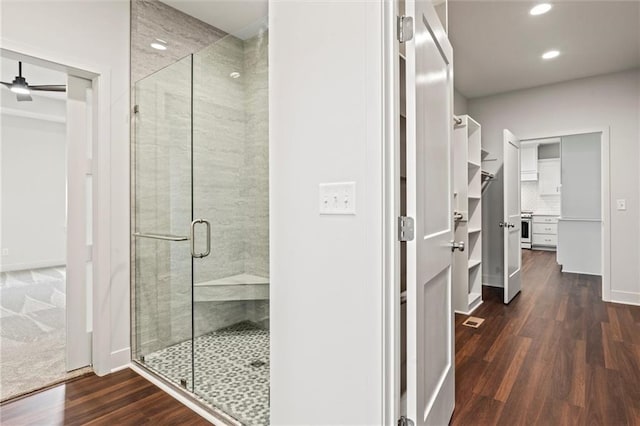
(32, 330)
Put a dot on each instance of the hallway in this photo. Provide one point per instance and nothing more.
(556, 355)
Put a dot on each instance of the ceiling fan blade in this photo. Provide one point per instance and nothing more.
(22, 98)
(49, 88)
(8, 85)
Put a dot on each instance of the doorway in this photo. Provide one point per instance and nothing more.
(43, 283)
(565, 200)
(200, 231)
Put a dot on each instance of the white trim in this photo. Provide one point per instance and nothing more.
(605, 194)
(391, 354)
(470, 311)
(488, 284)
(193, 406)
(10, 267)
(13, 112)
(101, 79)
(625, 297)
(120, 359)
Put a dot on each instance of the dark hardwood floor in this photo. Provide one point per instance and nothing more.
(556, 355)
(122, 398)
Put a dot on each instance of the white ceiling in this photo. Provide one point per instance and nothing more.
(497, 44)
(242, 18)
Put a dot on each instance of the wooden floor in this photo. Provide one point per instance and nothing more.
(556, 355)
(122, 398)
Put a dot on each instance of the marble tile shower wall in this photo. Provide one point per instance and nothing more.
(230, 158)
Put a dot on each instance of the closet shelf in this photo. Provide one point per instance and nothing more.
(473, 263)
(467, 175)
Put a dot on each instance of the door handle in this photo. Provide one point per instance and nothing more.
(457, 246)
(511, 225)
(502, 224)
(193, 239)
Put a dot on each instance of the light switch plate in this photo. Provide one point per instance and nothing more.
(622, 204)
(337, 198)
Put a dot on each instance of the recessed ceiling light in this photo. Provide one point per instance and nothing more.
(159, 44)
(234, 74)
(540, 9)
(550, 54)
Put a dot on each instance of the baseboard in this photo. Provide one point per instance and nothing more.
(120, 359)
(470, 310)
(31, 265)
(194, 406)
(595, 274)
(625, 297)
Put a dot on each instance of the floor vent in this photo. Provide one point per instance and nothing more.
(473, 322)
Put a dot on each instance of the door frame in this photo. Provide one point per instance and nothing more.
(391, 357)
(605, 202)
(100, 76)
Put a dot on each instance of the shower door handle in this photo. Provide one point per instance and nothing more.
(193, 239)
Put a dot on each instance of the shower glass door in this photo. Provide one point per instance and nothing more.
(163, 333)
(201, 230)
(230, 191)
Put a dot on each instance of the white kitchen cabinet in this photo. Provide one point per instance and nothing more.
(549, 182)
(529, 162)
(545, 232)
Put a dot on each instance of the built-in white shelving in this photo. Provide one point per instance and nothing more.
(467, 179)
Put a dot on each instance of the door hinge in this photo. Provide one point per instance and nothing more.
(403, 421)
(136, 109)
(405, 28)
(405, 228)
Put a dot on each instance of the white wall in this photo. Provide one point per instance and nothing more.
(611, 100)
(33, 155)
(326, 271)
(93, 35)
(460, 103)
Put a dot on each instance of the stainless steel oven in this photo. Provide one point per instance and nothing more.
(526, 229)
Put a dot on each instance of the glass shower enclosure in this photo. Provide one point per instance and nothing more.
(200, 227)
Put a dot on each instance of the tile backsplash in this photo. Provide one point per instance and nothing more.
(532, 201)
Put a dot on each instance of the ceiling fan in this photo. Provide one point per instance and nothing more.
(22, 89)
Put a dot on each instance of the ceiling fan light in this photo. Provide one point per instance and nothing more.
(20, 86)
(20, 89)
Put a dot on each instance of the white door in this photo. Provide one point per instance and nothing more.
(511, 223)
(79, 223)
(430, 362)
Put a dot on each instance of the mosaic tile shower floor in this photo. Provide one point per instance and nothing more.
(231, 370)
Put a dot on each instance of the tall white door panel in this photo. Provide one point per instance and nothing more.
(511, 223)
(430, 362)
(79, 223)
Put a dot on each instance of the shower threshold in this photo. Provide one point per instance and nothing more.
(231, 370)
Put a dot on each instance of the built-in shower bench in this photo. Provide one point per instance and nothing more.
(235, 287)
